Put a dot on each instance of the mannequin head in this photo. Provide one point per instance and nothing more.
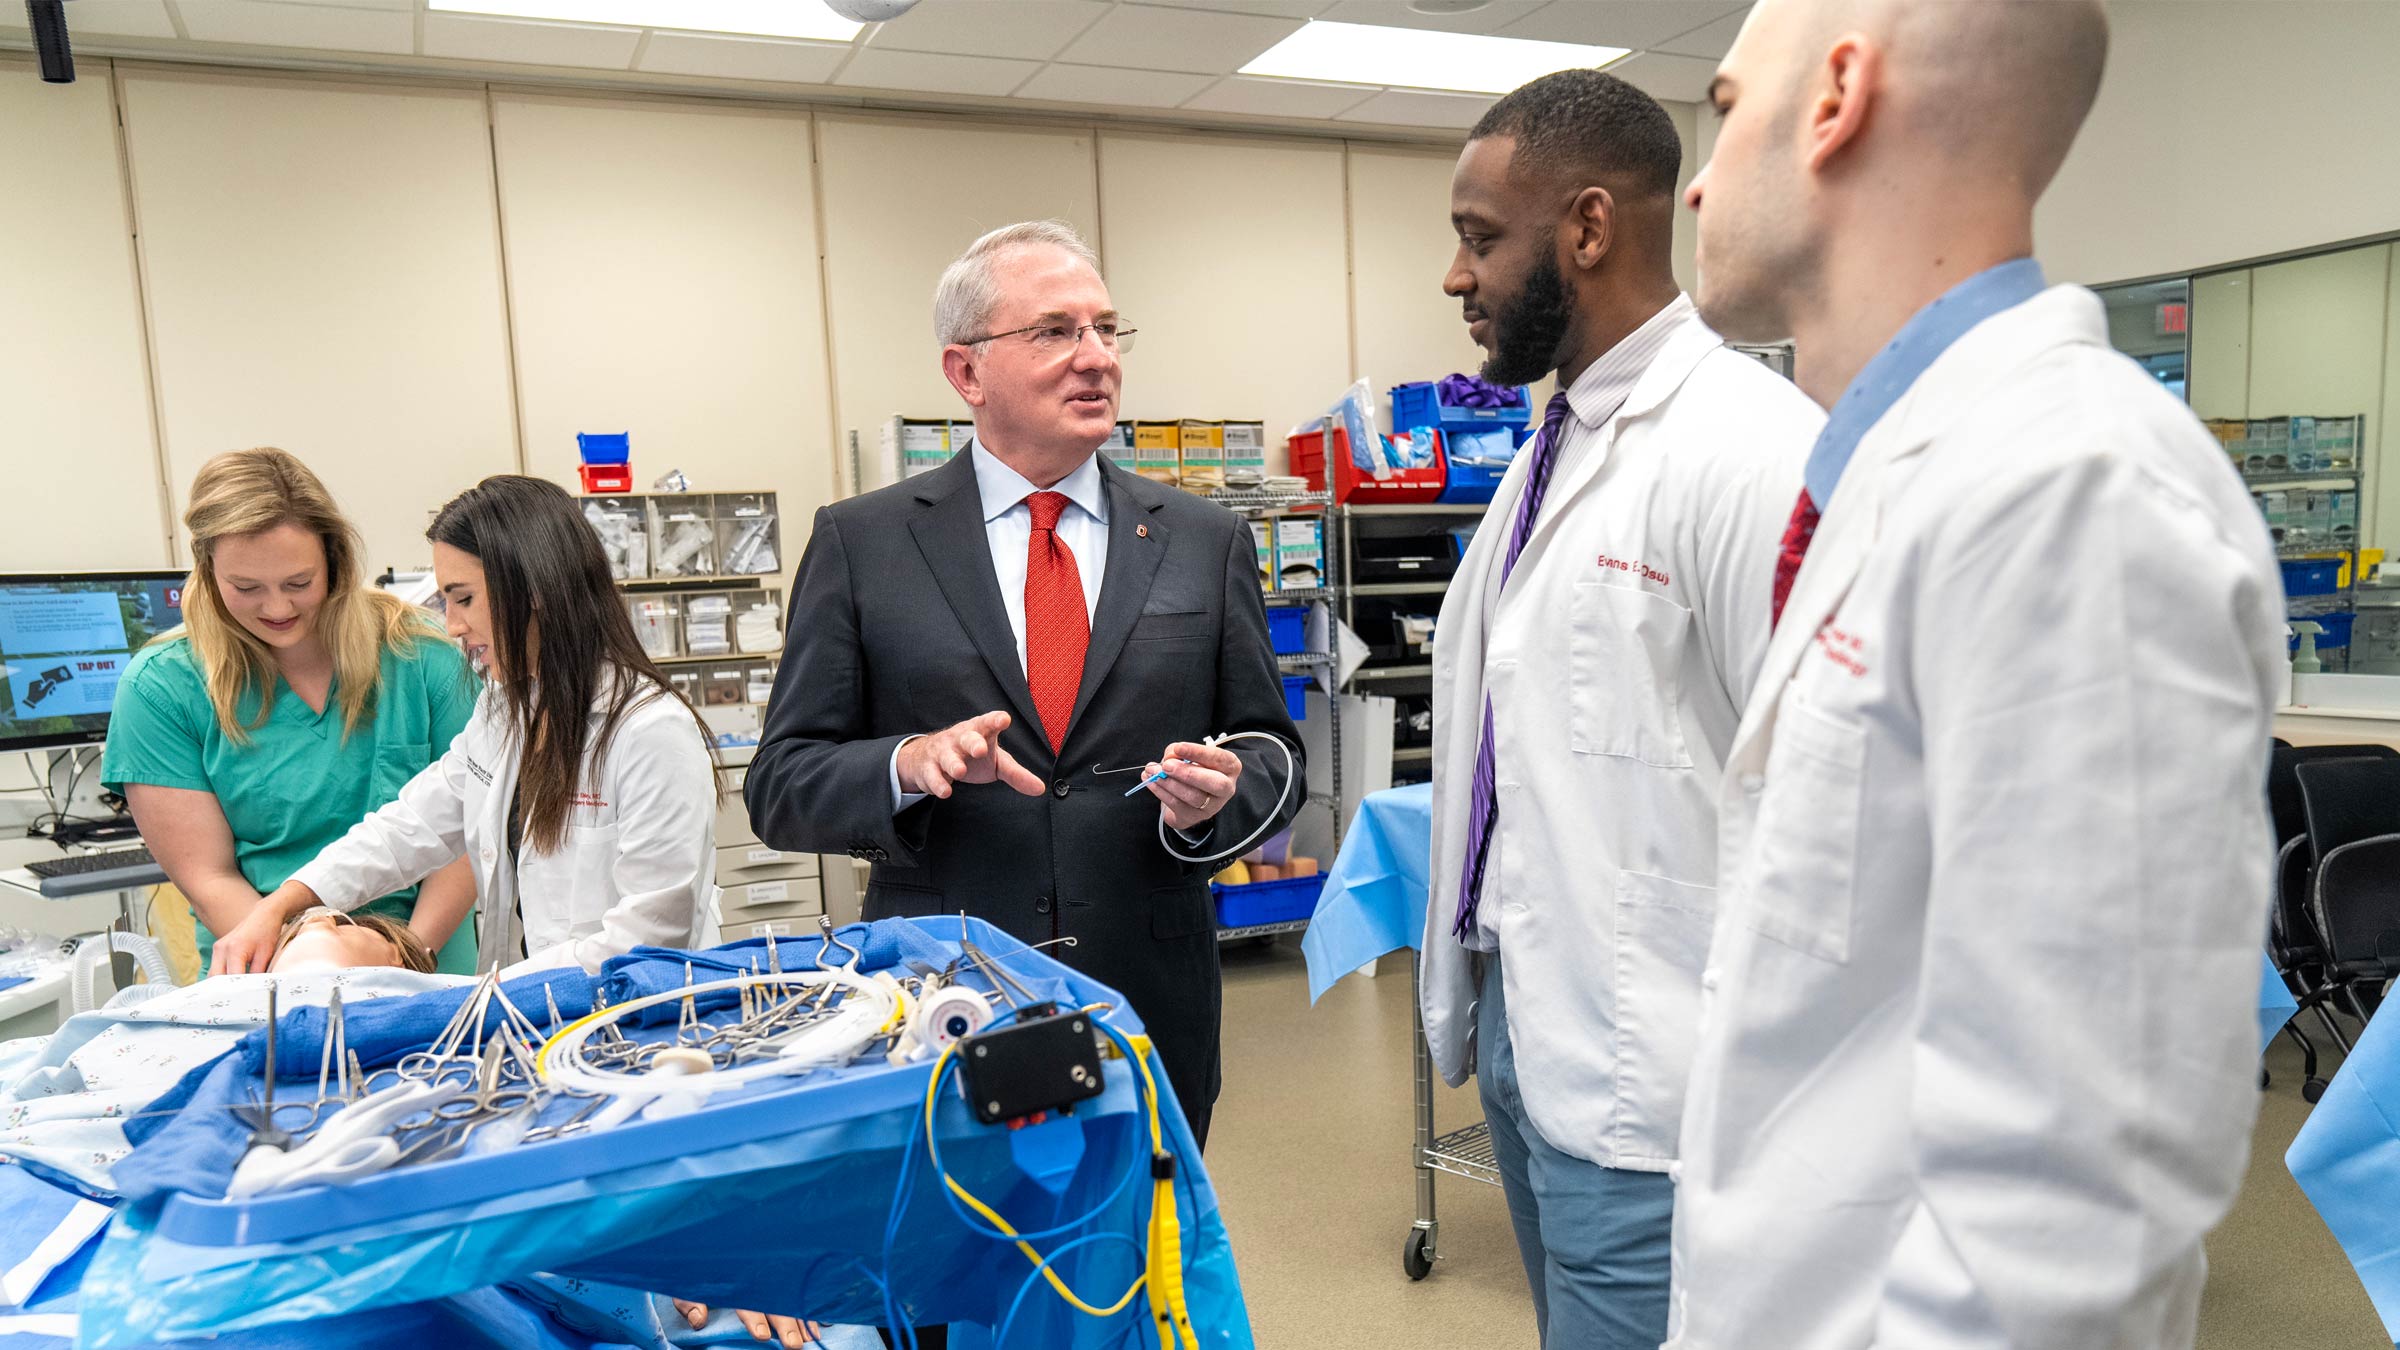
(326, 939)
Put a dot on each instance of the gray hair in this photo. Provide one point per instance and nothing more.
(966, 295)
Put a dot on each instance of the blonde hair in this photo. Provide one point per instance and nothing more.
(243, 492)
(408, 950)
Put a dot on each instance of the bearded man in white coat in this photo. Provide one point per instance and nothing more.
(1590, 665)
(1977, 1061)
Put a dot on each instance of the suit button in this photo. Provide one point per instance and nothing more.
(1059, 789)
(1041, 905)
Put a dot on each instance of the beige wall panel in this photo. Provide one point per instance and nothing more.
(1230, 256)
(1401, 246)
(2316, 331)
(1688, 117)
(902, 198)
(2220, 360)
(324, 275)
(662, 274)
(74, 393)
(2176, 171)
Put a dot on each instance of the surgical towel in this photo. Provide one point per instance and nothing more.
(79, 1104)
(1374, 898)
(797, 1177)
(2347, 1159)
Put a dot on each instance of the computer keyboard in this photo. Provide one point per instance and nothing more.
(83, 873)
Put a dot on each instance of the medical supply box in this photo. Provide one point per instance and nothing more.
(1420, 405)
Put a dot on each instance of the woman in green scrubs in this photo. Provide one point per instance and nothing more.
(294, 701)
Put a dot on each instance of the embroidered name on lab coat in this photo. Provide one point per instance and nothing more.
(1847, 650)
(482, 774)
(1641, 569)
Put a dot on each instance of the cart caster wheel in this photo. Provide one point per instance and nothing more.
(1413, 1257)
(2312, 1089)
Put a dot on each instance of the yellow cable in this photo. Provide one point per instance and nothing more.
(1163, 1273)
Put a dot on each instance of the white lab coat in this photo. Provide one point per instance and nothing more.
(637, 865)
(1978, 1063)
(1618, 659)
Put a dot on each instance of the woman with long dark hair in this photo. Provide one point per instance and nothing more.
(583, 792)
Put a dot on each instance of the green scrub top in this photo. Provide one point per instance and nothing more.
(298, 785)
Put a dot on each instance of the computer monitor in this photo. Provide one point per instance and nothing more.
(65, 640)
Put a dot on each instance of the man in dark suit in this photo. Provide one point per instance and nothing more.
(967, 648)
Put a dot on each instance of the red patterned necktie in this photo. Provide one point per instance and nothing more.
(1795, 547)
(1058, 629)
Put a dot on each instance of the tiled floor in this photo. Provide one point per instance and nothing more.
(1310, 1153)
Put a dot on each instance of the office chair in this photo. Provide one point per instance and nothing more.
(2293, 941)
(2353, 810)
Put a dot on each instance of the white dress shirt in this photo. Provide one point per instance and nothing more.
(1008, 529)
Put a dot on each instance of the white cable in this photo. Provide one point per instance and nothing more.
(871, 1007)
(1291, 775)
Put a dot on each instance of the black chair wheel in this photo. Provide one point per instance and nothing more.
(2265, 1080)
(1413, 1257)
(2311, 1090)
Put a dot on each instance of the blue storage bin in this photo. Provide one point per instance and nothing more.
(2336, 634)
(1471, 483)
(2311, 576)
(1295, 696)
(1420, 405)
(1287, 627)
(1268, 901)
(604, 447)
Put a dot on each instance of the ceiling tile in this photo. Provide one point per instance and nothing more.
(1177, 39)
(1411, 108)
(528, 43)
(1273, 9)
(116, 18)
(1279, 98)
(1637, 24)
(1396, 14)
(1112, 84)
(1710, 40)
(743, 58)
(935, 72)
(1030, 30)
(1679, 79)
(262, 23)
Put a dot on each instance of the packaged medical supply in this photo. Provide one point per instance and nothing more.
(683, 536)
(1299, 553)
(624, 533)
(748, 534)
(1119, 446)
(922, 445)
(657, 624)
(707, 622)
(1245, 454)
(1262, 533)
(1201, 446)
(1158, 451)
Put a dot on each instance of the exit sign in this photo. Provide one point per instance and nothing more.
(2173, 319)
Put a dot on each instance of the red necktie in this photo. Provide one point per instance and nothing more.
(1795, 547)
(1058, 629)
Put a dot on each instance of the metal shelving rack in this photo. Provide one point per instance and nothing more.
(1466, 1154)
(1252, 503)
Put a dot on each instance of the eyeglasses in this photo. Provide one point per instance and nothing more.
(1054, 339)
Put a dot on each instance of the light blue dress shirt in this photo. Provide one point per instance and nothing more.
(1919, 343)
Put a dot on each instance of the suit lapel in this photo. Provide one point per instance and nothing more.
(949, 532)
(1137, 541)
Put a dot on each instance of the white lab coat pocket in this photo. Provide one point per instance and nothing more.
(1625, 674)
(1802, 881)
(589, 853)
(1663, 932)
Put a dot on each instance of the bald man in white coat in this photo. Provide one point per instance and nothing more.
(1977, 1056)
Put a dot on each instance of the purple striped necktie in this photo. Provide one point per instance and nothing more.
(1486, 805)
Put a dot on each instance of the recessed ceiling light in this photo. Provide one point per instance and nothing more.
(1448, 6)
(1359, 53)
(759, 18)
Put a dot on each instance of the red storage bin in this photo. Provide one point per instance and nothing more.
(600, 480)
(1308, 452)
